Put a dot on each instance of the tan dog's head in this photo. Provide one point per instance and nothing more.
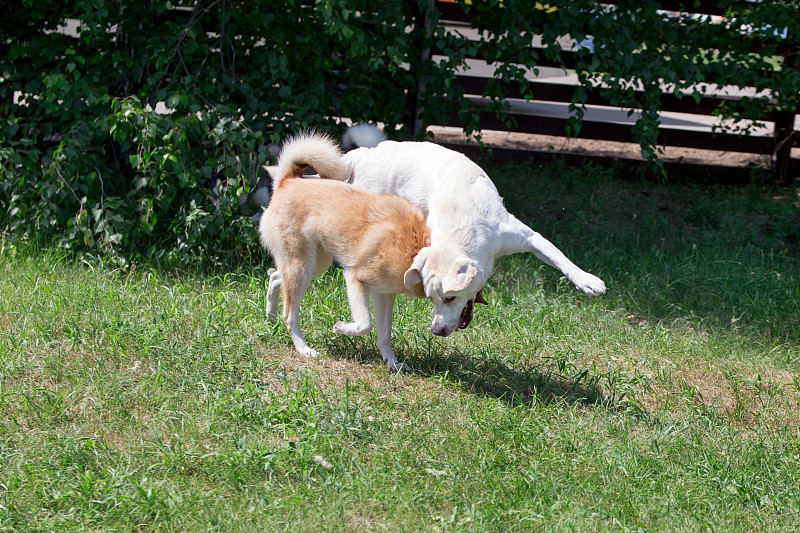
(453, 283)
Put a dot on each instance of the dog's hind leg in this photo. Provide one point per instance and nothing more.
(517, 237)
(383, 304)
(276, 282)
(324, 260)
(295, 279)
(358, 298)
(273, 290)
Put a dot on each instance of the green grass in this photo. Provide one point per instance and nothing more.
(147, 400)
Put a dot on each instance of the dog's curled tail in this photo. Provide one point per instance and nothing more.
(309, 149)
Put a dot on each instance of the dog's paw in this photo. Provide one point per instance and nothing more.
(397, 366)
(350, 328)
(270, 272)
(590, 284)
(308, 352)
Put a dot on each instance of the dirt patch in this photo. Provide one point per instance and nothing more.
(765, 398)
(333, 372)
(607, 149)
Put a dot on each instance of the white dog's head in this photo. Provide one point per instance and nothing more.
(452, 281)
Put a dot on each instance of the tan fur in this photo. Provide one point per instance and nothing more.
(374, 238)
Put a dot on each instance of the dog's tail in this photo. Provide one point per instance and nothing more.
(309, 149)
(362, 135)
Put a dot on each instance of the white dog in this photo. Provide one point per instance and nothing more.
(375, 238)
(469, 225)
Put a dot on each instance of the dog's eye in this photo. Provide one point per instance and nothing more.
(449, 299)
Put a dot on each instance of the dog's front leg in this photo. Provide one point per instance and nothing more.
(358, 298)
(517, 237)
(383, 329)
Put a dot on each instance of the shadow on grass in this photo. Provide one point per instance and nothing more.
(491, 377)
(553, 382)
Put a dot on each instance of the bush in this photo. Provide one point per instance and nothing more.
(87, 162)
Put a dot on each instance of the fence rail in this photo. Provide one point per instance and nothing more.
(685, 121)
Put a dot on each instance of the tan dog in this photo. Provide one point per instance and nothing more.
(373, 237)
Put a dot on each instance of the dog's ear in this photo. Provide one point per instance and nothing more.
(414, 273)
(460, 275)
(479, 298)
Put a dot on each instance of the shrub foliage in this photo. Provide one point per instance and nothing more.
(86, 158)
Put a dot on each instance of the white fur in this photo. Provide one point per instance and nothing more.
(469, 224)
(362, 136)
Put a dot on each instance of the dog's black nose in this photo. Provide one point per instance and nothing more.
(440, 331)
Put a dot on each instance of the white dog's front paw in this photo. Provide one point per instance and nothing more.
(590, 284)
(350, 328)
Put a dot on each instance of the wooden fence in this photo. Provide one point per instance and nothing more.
(686, 122)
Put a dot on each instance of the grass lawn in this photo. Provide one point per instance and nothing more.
(160, 400)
